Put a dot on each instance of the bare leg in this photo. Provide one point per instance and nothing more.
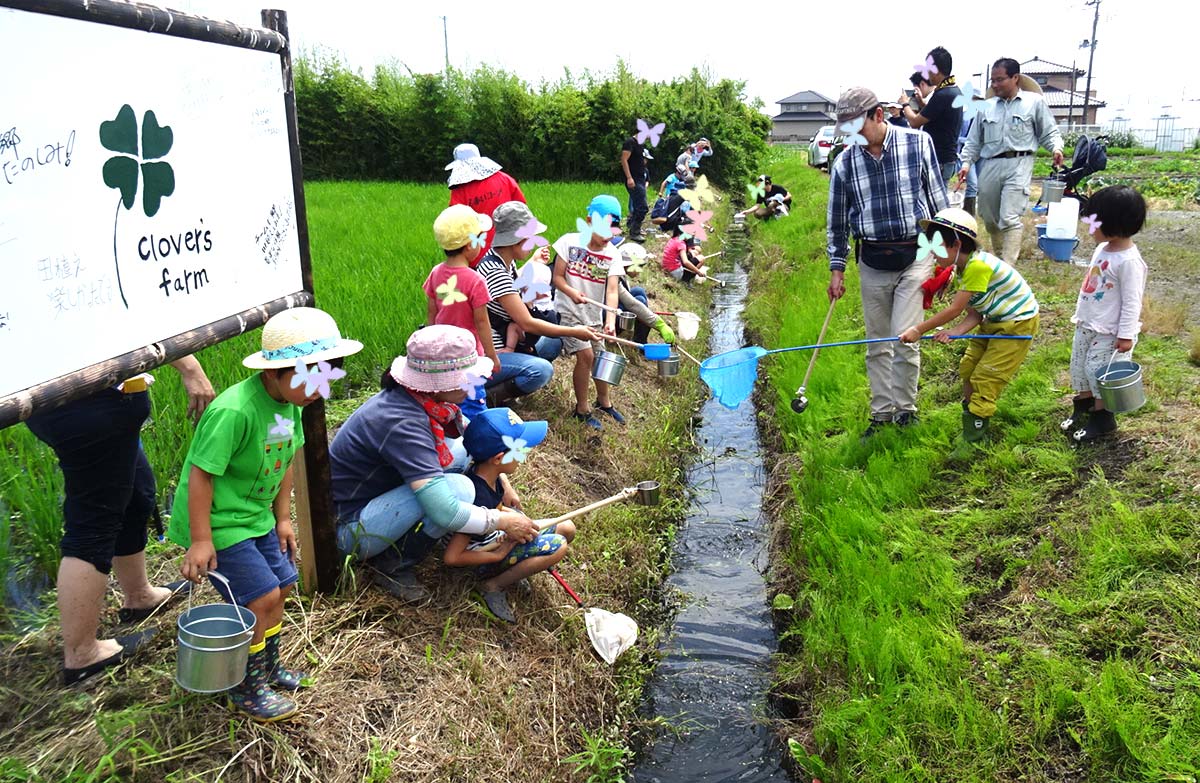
(130, 571)
(81, 590)
(604, 394)
(527, 567)
(581, 379)
(268, 613)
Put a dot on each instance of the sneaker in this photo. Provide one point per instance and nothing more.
(875, 427)
(906, 419)
(589, 419)
(495, 604)
(611, 411)
(638, 237)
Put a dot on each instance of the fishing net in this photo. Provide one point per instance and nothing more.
(731, 375)
(689, 325)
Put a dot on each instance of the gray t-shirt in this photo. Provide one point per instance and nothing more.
(384, 444)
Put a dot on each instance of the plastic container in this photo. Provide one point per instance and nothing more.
(1058, 249)
(1062, 219)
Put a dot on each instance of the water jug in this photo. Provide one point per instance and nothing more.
(1062, 220)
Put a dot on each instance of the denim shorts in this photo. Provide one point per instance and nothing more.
(254, 567)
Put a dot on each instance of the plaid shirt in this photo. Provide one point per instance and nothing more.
(883, 200)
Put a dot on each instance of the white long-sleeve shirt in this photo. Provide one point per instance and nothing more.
(1110, 301)
(1019, 124)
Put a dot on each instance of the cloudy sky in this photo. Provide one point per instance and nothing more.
(1141, 61)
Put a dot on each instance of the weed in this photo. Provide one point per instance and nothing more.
(1166, 318)
(601, 758)
(379, 762)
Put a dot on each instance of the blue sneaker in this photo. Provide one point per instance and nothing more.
(589, 419)
(611, 411)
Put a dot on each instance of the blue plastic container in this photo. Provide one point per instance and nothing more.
(1041, 229)
(1058, 249)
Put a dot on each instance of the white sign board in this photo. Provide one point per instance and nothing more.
(146, 190)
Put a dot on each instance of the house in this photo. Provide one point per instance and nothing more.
(801, 116)
(1061, 89)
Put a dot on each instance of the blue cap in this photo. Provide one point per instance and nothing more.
(605, 205)
(484, 437)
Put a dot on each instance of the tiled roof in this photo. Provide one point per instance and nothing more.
(802, 116)
(806, 96)
(1061, 99)
(1040, 67)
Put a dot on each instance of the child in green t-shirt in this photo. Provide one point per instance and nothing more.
(996, 298)
(233, 506)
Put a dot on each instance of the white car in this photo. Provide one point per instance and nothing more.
(818, 148)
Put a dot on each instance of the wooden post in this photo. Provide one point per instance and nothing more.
(320, 561)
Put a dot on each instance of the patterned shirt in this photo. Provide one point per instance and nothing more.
(998, 292)
(1019, 124)
(883, 200)
(499, 278)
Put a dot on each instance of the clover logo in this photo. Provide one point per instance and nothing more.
(121, 171)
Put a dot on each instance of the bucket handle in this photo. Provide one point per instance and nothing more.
(219, 577)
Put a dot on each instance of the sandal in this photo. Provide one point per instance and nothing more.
(129, 616)
(495, 604)
(129, 645)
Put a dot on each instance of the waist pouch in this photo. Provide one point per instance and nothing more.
(886, 256)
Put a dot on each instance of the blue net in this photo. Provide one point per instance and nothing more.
(731, 375)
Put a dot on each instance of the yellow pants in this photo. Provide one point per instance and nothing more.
(988, 365)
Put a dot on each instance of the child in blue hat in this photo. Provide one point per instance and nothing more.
(498, 440)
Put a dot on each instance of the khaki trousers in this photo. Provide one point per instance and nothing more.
(891, 303)
(1002, 200)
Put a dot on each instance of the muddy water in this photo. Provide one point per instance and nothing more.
(715, 667)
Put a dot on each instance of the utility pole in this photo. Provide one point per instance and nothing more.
(1071, 105)
(446, 44)
(1087, 90)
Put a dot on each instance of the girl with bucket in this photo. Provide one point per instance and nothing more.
(397, 465)
(233, 507)
(1108, 312)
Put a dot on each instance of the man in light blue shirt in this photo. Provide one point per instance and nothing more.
(1004, 139)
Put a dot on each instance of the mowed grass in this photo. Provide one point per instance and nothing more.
(372, 246)
(1031, 615)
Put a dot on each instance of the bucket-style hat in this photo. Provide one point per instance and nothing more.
(300, 333)
(468, 166)
(510, 217)
(954, 219)
(439, 359)
(454, 226)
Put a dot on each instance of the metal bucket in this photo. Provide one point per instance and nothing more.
(648, 493)
(669, 367)
(626, 321)
(214, 643)
(1121, 387)
(1052, 190)
(608, 367)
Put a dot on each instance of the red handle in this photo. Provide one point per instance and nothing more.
(558, 578)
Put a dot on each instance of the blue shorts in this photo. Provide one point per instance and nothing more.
(547, 543)
(254, 567)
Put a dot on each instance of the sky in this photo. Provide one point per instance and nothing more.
(1141, 59)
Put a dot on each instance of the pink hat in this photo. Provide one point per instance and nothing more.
(440, 358)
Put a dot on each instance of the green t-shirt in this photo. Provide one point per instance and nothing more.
(998, 292)
(247, 448)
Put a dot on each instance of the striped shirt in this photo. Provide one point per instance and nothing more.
(499, 279)
(882, 200)
(998, 292)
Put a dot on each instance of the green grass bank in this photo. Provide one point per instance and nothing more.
(1031, 615)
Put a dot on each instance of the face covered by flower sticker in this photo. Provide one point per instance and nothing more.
(966, 101)
(852, 129)
(517, 449)
(936, 245)
(757, 190)
(649, 133)
(1092, 223)
(529, 286)
(696, 227)
(701, 194)
(478, 240)
(317, 379)
(600, 225)
(529, 232)
(473, 382)
(926, 68)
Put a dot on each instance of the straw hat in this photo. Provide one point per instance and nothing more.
(300, 333)
(469, 166)
(440, 357)
(1024, 82)
(954, 219)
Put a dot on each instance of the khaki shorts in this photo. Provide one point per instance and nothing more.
(573, 345)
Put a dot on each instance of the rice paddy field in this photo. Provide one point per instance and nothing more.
(1026, 615)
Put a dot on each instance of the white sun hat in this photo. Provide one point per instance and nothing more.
(300, 333)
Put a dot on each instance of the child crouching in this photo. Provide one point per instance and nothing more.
(498, 440)
(233, 506)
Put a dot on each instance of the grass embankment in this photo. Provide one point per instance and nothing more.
(1031, 615)
(433, 694)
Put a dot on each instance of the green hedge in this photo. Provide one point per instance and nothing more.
(404, 126)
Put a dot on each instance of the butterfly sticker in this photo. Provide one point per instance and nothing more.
(966, 101)
(700, 195)
(696, 227)
(1092, 222)
(600, 226)
(925, 68)
(925, 246)
(283, 426)
(529, 232)
(473, 382)
(757, 190)
(517, 450)
(852, 130)
(530, 287)
(478, 240)
(448, 292)
(316, 380)
(648, 132)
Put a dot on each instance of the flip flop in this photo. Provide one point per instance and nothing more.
(129, 645)
(128, 616)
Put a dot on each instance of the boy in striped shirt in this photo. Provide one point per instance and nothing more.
(996, 299)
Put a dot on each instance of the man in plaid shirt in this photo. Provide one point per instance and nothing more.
(878, 192)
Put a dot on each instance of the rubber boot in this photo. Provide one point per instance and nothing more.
(641, 331)
(1099, 424)
(502, 392)
(975, 427)
(1012, 245)
(280, 676)
(969, 205)
(254, 698)
(1080, 408)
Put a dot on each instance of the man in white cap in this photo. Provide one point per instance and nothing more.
(1004, 139)
(879, 191)
(479, 183)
